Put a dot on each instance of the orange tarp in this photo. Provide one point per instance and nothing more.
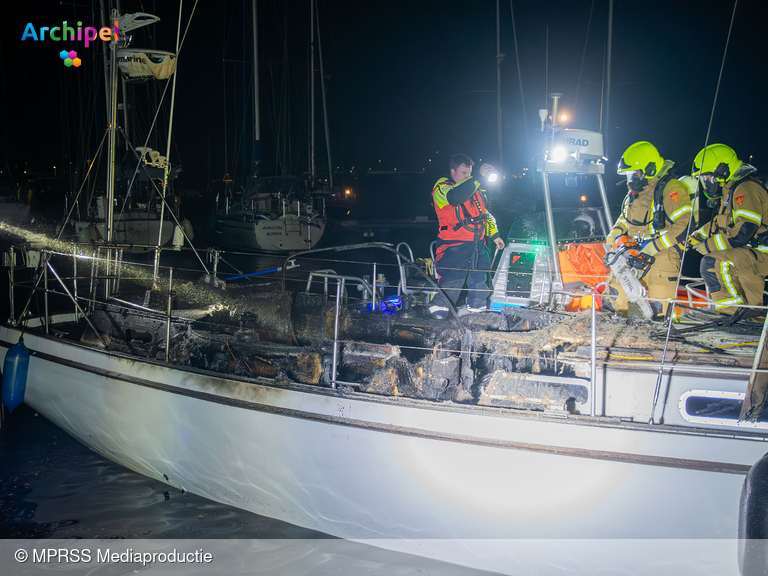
(695, 302)
(582, 303)
(583, 262)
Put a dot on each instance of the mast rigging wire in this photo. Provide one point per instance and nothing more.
(519, 74)
(583, 54)
(697, 196)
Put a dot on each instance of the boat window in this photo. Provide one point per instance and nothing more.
(718, 408)
(521, 270)
(579, 225)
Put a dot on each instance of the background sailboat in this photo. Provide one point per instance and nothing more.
(283, 212)
(129, 209)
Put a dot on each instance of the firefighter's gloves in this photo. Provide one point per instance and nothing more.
(650, 249)
(693, 240)
(611, 238)
(696, 243)
(701, 247)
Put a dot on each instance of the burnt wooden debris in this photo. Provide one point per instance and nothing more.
(510, 359)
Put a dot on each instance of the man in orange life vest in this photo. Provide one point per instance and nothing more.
(464, 223)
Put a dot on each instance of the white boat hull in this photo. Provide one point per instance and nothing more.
(287, 234)
(140, 232)
(13, 212)
(469, 485)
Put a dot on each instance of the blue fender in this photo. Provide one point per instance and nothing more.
(753, 521)
(15, 374)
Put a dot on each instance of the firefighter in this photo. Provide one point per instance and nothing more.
(464, 221)
(734, 245)
(656, 211)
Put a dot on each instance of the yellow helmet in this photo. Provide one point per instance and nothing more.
(641, 156)
(718, 159)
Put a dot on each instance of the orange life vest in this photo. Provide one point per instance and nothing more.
(464, 222)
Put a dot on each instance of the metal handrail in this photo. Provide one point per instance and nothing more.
(363, 285)
(402, 286)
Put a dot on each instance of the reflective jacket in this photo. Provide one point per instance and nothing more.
(743, 217)
(637, 213)
(461, 212)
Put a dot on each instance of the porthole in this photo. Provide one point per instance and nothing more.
(717, 408)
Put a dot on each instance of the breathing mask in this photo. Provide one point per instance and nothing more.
(636, 181)
(711, 187)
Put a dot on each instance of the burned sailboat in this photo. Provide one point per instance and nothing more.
(518, 439)
(401, 431)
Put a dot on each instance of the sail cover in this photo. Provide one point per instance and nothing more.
(140, 64)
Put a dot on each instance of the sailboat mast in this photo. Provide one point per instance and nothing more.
(499, 58)
(111, 140)
(325, 107)
(164, 189)
(312, 167)
(256, 156)
(607, 133)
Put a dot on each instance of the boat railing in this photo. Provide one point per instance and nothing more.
(40, 260)
(95, 273)
(362, 284)
(403, 286)
(698, 291)
(104, 279)
(99, 274)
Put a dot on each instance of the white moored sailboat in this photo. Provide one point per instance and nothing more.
(279, 213)
(139, 220)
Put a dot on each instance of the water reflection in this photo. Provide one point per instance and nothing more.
(53, 486)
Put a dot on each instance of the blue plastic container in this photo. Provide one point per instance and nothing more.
(15, 374)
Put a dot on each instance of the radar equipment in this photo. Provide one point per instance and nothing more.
(569, 152)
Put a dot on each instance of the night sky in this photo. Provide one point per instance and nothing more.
(408, 81)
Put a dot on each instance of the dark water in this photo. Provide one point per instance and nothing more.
(56, 493)
(54, 487)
